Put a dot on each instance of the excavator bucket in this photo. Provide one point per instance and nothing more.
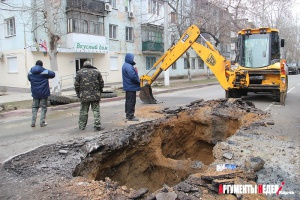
(146, 95)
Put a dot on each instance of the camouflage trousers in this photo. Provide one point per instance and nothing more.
(36, 104)
(83, 115)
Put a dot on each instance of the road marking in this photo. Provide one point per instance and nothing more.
(269, 107)
(290, 89)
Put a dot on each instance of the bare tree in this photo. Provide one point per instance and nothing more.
(183, 12)
(268, 13)
(53, 16)
(45, 16)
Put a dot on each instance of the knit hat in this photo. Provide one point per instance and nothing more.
(87, 63)
(39, 62)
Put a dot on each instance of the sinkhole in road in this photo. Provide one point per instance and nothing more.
(165, 151)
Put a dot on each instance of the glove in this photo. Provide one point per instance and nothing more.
(78, 95)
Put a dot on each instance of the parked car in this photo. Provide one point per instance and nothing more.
(293, 68)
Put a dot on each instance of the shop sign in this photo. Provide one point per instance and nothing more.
(90, 47)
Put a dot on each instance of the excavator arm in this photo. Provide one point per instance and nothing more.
(214, 60)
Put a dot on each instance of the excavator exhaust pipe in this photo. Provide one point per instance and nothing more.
(146, 95)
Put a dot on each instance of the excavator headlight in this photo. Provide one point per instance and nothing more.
(248, 32)
(263, 31)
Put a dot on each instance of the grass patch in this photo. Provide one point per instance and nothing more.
(17, 105)
(185, 83)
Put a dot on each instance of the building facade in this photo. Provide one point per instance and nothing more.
(99, 31)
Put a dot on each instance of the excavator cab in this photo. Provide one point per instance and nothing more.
(259, 53)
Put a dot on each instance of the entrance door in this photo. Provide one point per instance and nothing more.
(79, 63)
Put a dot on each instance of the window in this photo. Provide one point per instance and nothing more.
(113, 3)
(150, 61)
(73, 25)
(193, 63)
(87, 27)
(113, 31)
(153, 7)
(173, 17)
(185, 61)
(155, 36)
(113, 63)
(97, 28)
(200, 63)
(10, 27)
(129, 34)
(174, 66)
(128, 6)
(94, 28)
(83, 26)
(76, 25)
(101, 28)
(12, 64)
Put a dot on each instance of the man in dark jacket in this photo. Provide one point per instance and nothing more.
(88, 86)
(131, 84)
(39, 79)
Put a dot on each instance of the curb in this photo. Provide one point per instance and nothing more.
(104, 100)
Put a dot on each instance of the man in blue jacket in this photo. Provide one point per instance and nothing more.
(131, 84)
(38, 77)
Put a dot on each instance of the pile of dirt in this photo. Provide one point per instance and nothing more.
(168, 158)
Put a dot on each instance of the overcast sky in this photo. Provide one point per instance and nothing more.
(296, 8)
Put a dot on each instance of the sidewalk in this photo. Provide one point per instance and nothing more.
(9, 97)
(175, 84)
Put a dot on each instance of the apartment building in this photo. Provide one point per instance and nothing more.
(99, 31)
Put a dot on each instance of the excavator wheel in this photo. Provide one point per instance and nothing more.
(282, 98)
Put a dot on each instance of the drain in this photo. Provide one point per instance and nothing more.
(164, 151)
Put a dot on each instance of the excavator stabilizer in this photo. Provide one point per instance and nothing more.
(146, 95)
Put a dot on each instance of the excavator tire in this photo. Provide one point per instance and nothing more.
(108, 94)
(281, 96)
(59, 100)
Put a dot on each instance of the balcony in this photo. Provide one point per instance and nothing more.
(152, 47)
(86, 6)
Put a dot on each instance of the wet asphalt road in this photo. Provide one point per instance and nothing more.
(17, 137)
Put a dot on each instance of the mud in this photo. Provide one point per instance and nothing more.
(174, 155)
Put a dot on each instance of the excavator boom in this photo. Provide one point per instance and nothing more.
(214, 60)
(166, 60)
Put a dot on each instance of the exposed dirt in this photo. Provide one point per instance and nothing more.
(173, 157)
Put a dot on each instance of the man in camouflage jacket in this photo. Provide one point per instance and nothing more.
(88, 86)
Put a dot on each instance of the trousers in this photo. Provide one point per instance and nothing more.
(36, 104)
(83, 114)
(130, 101)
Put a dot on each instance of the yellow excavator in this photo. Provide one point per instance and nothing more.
(258, 65)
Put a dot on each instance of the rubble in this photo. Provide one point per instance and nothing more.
(174, 157)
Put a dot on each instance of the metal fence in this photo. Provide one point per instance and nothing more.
(67, 81)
